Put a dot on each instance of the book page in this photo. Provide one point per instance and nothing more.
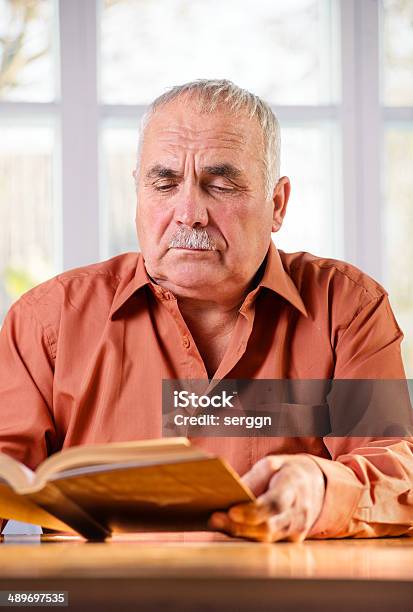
(15, 474)
(171, 496)
(140, 452)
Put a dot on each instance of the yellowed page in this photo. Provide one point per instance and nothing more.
(139, 451)
(171, 496)
(15, 473)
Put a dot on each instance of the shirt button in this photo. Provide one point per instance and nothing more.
(186, 343)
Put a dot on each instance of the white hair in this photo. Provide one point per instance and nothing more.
(211, 93)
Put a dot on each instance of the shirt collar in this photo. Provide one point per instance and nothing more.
(139, 280)
(277, 280)
(274, 278)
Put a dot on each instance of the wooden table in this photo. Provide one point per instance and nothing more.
(205, 571)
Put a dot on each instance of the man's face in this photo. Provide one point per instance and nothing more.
(203, 219)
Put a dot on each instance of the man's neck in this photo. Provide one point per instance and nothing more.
(211, 326)
(211, 319)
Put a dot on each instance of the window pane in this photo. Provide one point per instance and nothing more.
(279, 50)
(398, 52)
(398, 226)
(26, 211)
(118, 190)
(309, 159)
(26, 41)
(311, 218)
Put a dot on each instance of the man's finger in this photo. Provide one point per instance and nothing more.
(218, 521)
(277, 500)
(259, 476)
(262, 532)
(246, 513)
(273, 501)
(294, 530)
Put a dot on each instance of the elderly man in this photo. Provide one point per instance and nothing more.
(83, 355)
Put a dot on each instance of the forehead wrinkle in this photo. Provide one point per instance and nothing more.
(191, 135)
(173, 142)
(174, 149)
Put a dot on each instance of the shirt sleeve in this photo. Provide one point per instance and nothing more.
(369, 480)
(27, 431)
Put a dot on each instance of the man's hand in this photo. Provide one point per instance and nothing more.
(290, 492)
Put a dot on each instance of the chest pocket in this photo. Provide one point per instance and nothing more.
(292, 420)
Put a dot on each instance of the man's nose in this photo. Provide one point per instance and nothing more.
(190, 208)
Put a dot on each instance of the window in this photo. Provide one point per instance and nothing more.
(27, 249)
(183, 39)
(27, 52)
(28, 207)
(398, 224)
(337, 72)
(397, 163)
(293, 45)
(397, 52)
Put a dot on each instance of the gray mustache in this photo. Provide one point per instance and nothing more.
(188, 238)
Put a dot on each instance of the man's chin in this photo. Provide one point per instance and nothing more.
(189, 279)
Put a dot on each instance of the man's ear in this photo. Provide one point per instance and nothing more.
(280, 199)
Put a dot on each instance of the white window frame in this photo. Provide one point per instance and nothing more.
(79, 115)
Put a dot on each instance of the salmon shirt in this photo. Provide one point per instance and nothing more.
(83, 356)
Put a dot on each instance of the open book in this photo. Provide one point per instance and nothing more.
(97, 490)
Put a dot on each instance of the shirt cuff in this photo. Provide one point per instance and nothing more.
(342, 495)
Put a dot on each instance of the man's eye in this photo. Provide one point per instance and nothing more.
(165, 187)
(221, 189)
